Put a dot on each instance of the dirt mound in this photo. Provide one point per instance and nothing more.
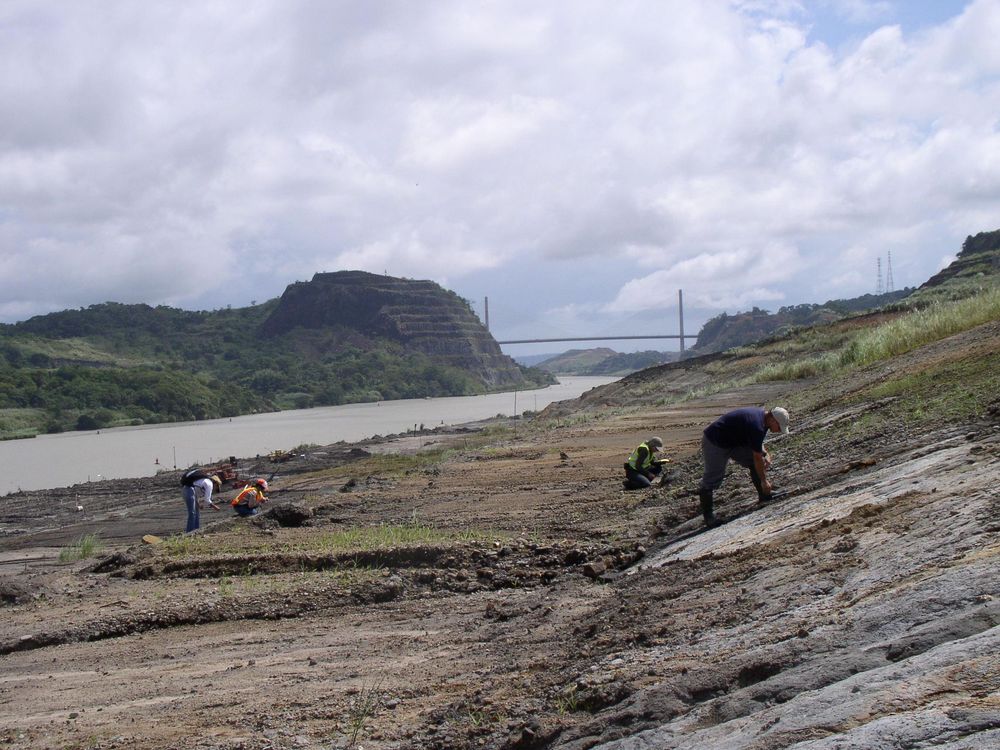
(13, 591)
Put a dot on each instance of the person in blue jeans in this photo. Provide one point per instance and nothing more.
(197, 493)
(739, 436)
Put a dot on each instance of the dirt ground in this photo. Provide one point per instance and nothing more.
(555, 609)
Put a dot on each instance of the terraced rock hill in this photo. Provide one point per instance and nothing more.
(419, 315)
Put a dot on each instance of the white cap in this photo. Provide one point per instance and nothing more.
(780, 415)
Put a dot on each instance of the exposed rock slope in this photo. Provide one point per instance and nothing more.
(419, 315)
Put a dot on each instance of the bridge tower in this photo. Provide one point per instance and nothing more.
(680, 315)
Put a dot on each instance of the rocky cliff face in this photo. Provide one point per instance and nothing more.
(420, 316)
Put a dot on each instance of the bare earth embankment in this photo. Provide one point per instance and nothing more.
(509, 594)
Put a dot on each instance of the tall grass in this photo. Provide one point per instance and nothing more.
(925, 326)
(21, 423)
(798, 369)
(363, 708)
(84, 547)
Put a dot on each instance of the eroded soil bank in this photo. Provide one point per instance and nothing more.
(554, 610)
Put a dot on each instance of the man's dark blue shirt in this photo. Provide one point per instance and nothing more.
(739, 428)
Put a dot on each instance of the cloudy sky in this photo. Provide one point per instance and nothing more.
(575, 161)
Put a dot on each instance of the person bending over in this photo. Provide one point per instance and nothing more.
(738, 436)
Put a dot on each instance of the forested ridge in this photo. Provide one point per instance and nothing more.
(115, 364)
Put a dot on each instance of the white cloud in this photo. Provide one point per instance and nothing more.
(444, 134)
(719, 146)
(729, 278)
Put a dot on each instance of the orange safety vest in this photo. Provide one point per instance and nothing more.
(247, 494)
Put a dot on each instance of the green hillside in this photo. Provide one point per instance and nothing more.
(726, 331)
(576, 361)
(114, 364)
(603, 361)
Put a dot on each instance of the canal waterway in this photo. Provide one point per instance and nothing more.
(66, 459)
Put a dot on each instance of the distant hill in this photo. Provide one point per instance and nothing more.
(603, 361)
(340, 338)
(532, 360)
(353, 308)
(624, 363)
(727, 331)
(978, 262)
(576, 361)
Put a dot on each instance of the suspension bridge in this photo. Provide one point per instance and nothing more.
(680, 335)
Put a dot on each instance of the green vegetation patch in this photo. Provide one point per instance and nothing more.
(84, 547)
(352, 539)
(198, 545)
(800, 369)
(922, 327)
(950, 391)
(20, 423)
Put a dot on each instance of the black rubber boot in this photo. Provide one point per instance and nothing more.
(762, 496)
(705, 496)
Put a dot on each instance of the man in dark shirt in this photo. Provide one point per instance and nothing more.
(738, 435)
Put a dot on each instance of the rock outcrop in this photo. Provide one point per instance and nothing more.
(421, 316)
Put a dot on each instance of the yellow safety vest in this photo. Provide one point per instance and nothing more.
(633, 460)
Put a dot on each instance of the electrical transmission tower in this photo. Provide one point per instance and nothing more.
(888, 273)
(879, 289)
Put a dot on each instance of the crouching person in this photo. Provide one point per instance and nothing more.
(642, 466)
(248, 502)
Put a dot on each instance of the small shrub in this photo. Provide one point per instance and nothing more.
(368, 701)
(84, 547)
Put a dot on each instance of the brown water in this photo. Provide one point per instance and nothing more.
(69, 458)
